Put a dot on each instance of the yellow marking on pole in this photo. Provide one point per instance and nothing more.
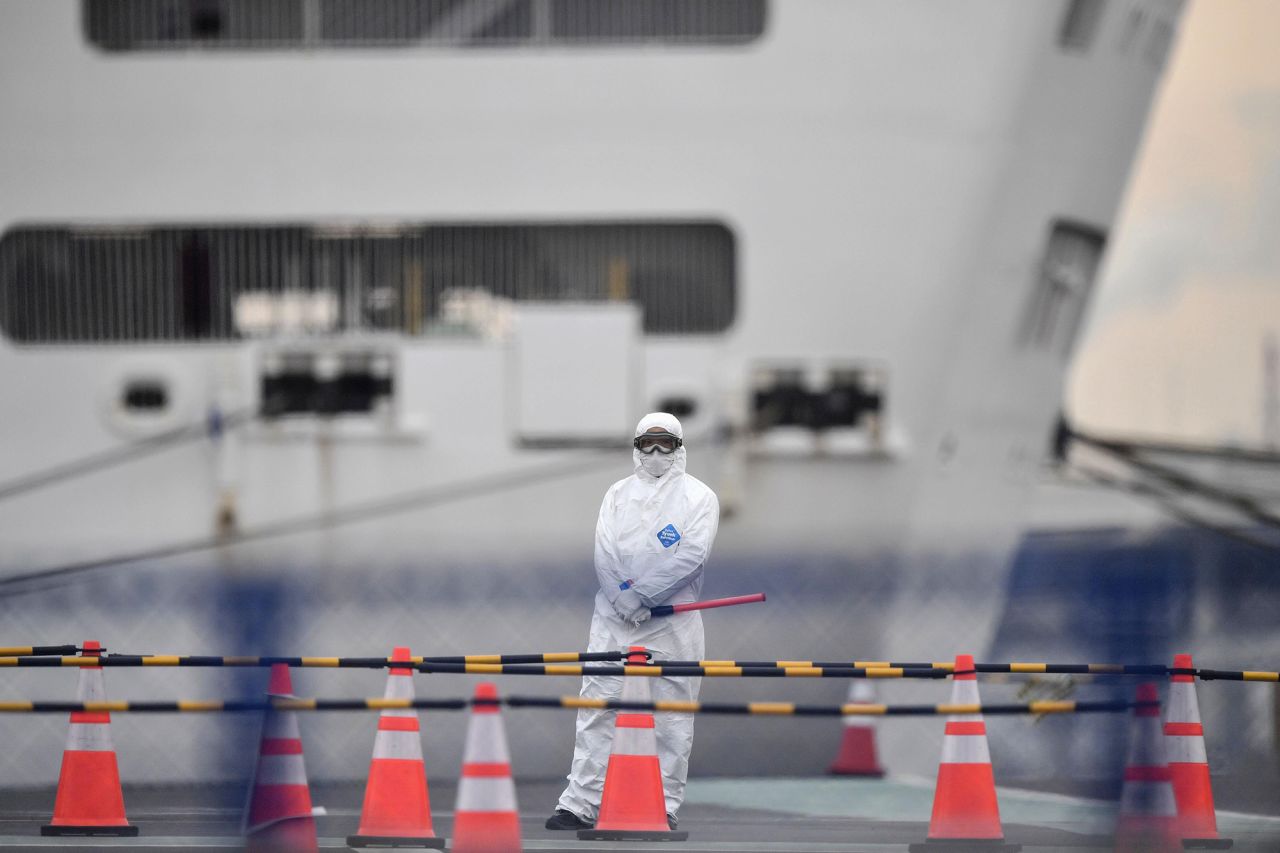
(240, 661)
(581, 702)
(325, 662)
(106, 705)
(677, 705)
(1106, 667)
(200, 705)
(804, 672)
(1253, 675)
(560, 657)
(8, 661)
(1050, 706)
(563, 669)
(641, 669)
(958, 709)
(856, 709)
(17, 650)
(1028, 667)
(722, 671)
(885, 672)
(482, 659)
(293, 704)
(381, 704)
(948, 665)
(771, 708)
(717, 663)
(161, 660)
(17, 706)
(797, 663)
(76, 660)
(483, 668)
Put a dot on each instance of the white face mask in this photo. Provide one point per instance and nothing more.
(656, 464)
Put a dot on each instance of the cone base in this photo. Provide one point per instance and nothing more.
(964, 845)
(1207, 843)
(394, 841)
(875, 773)
(630, 835)
(125, 831)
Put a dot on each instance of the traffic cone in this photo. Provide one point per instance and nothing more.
(633, 806)
(89, 800)
(857, 755)
(1148, 812)
(486, 819)
(397, 808)
(1189, 763)
(966, 815)
(280, 816)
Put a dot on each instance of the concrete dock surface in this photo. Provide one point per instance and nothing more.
(819, 814)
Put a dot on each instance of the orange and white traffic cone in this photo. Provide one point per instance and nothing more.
(633, 806)
(857, 755)
(1148, 812)
(966, 815)
(89, 800)
(397, 807)
(1189, 763)
(280, 816)
(486, 819)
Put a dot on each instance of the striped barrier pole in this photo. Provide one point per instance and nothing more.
(17, 651)
(468, 664)
(302, 661)
(768, 709)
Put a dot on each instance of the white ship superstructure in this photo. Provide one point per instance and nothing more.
(423, 276)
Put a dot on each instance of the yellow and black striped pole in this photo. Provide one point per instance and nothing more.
(571, 664)
(767, 709)
(16, 651)
(70, 658)
(665, 671)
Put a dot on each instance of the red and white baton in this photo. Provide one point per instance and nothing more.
(668, 609)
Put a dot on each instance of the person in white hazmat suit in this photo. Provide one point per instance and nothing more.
(653, 538)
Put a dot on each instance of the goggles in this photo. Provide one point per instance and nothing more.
(663, 442)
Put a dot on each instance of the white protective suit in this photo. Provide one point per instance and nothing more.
(656, 531)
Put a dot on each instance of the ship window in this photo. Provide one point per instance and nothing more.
(1080, 24)
(1063, 286)
(307, 383)
(831, 410)
(192, 283)
(133, 25)
(145, 396)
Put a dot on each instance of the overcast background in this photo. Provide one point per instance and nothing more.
(1173, 345)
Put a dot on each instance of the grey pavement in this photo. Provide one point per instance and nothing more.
(821, 814)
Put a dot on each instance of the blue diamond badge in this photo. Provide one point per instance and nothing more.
(668, 536)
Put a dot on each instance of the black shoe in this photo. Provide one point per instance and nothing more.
(561, 819)
(671, 822)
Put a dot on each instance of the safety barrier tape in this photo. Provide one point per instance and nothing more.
(10, 651)
(773, 709)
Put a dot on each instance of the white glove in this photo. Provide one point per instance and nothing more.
(630, 608)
